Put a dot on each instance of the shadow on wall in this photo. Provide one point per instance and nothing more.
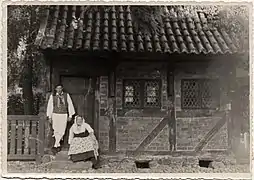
(243, 146)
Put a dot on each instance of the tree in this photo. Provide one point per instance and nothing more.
(234, 19)
(23, 25)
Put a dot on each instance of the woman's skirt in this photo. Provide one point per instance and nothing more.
(81, 148)
(82, 156)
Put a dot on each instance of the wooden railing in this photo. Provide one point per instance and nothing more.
(25, 137)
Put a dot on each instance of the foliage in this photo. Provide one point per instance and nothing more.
(24, 68)
(15, 104)
(20, 28)
(147, 19)
(233, 18)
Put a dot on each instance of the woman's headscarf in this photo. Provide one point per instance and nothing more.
(83, 127)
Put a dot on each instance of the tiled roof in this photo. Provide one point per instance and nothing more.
(70, 27)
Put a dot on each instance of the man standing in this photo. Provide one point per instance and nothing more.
(60, 109)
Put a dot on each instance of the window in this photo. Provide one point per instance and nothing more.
(142, 93)
(200, 94)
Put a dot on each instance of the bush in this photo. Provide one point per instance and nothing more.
(15, 104)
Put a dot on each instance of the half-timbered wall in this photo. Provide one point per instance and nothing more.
(133, 125)
(147, 129)
(192, 125)
(142, 129)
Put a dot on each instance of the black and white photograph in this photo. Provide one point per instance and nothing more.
(128, 88)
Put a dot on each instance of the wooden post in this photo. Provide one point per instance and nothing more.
(41, 135)
(112, 112)
(96, 107)
(55, 78)
(48, 131)
(234, 130)
(48, 72)
(171, 107)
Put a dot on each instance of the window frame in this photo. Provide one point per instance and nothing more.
(142, 92)
(201, 82)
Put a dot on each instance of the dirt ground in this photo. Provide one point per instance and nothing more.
(124, 165)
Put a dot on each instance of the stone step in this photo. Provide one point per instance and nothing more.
(69, 165)
(61, 156)
(61, 161)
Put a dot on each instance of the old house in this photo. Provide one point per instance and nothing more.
(160, 93)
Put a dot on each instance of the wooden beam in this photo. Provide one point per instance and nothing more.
(171, 107)
(55, 75)
(204, 141)
(41, 134)
(112, 102)
(152, 135)
(96, 106)
(235, 124)
(112, 83)
(112, 125)
(48, 78)
(49, 140)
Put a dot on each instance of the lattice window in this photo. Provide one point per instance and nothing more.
(152, 94)
(142, 93)
(200, 94)
(132, 93)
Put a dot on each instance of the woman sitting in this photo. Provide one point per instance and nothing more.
(83, 143)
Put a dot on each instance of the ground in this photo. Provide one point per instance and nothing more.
(162, 164)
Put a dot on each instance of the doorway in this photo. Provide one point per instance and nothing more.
(81, 90)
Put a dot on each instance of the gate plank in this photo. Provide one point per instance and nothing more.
(41, 135)
(13, 137)
(19, 137)
(33, 137)
(26, 146)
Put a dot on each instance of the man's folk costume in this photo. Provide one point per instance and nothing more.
(59, 107)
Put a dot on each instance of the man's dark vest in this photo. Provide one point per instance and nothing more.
(62, 108)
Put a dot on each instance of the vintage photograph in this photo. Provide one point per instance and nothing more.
(128, 88)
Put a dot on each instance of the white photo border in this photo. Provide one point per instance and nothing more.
(3, 94)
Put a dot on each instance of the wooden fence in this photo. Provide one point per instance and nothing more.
(25, 137)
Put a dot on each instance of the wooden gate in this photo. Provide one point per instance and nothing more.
(25, 137)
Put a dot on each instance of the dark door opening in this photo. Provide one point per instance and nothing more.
(82, 95)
